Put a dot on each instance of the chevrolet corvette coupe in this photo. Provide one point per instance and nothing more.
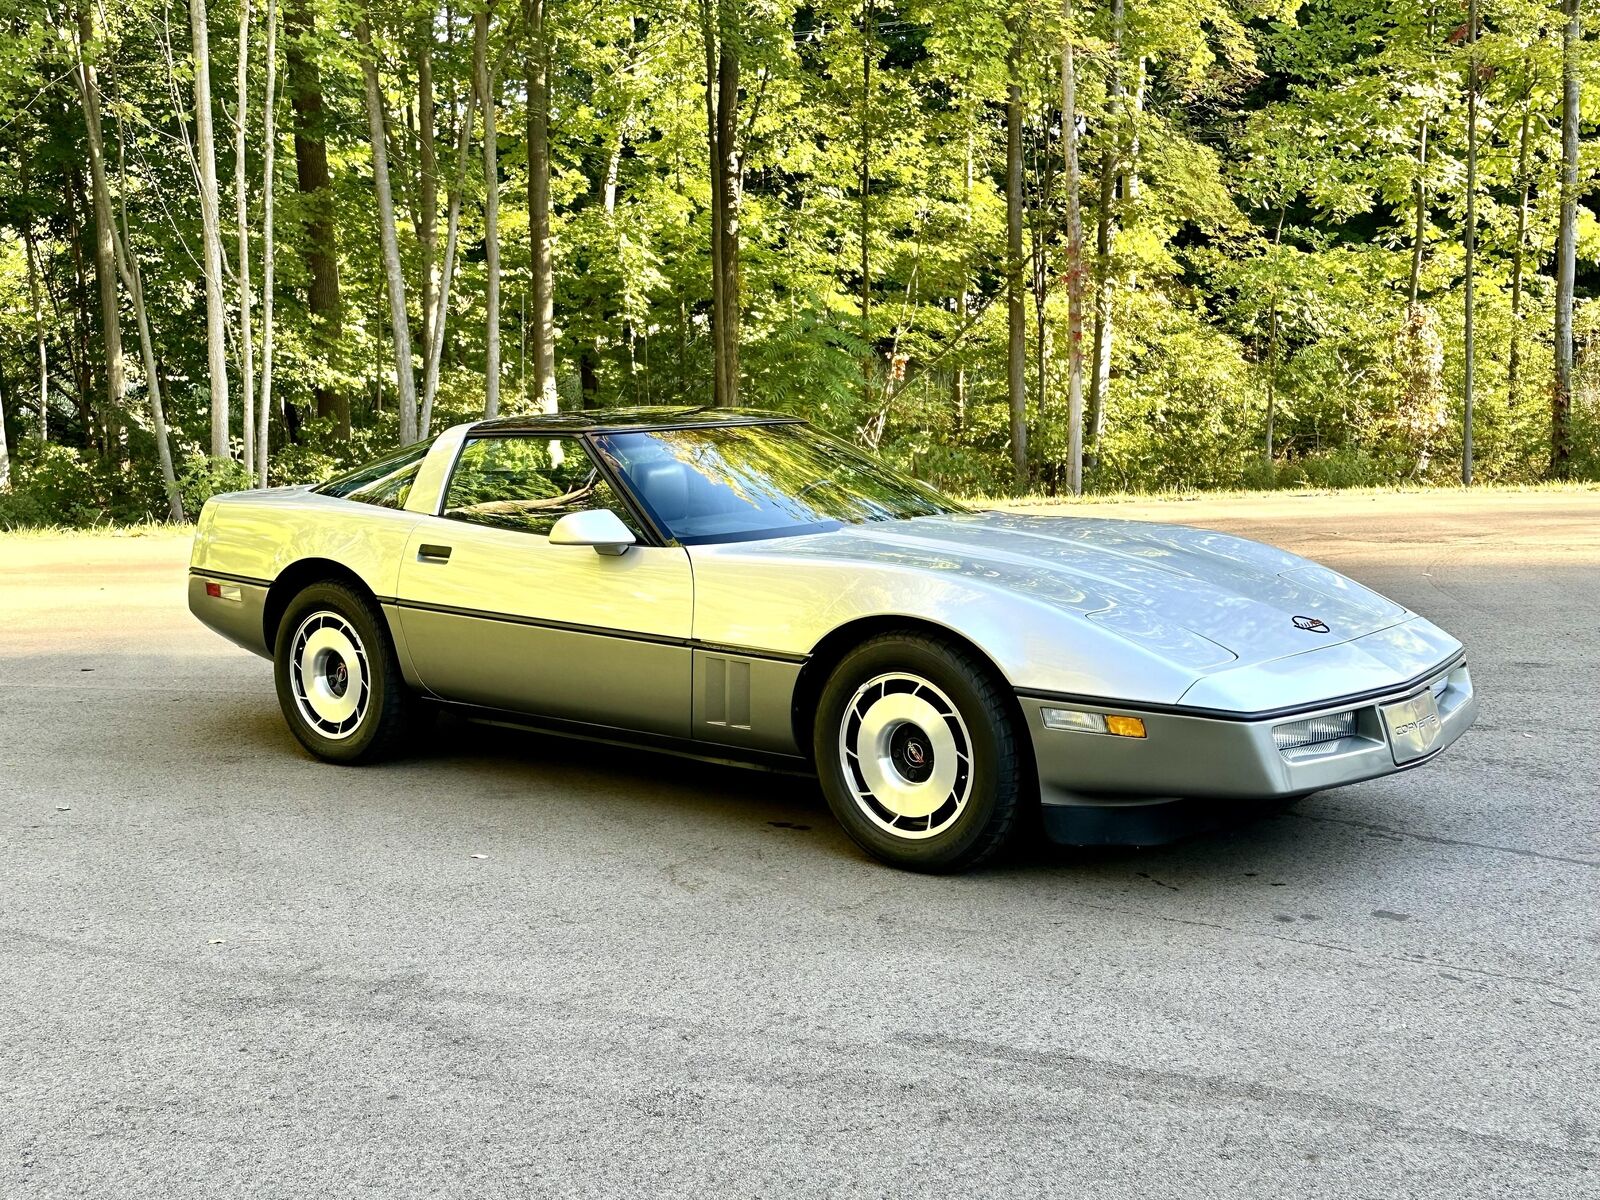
(737, 585)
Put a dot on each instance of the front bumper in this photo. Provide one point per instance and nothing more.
(1219, 757)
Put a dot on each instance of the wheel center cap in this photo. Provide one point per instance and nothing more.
(911, 752)
(339, 680)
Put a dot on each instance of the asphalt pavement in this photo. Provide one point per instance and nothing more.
(515, 965)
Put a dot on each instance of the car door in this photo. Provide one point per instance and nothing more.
(496, 615)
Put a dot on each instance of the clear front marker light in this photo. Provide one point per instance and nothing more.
(1313, 731)
(1071, 718)
(1088, 722)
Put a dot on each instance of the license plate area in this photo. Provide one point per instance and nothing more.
(1412, 726)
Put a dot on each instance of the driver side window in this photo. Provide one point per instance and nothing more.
(527, 483)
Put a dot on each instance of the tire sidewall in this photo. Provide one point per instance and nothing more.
(336, 598)
(956, 846)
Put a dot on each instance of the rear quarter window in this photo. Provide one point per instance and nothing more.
(385, 482)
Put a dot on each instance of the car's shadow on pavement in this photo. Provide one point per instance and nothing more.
(1252, 837)
(459, 763)
(739, 796)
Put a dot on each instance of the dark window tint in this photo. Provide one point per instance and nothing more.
(385, 482)
(738, 482)
(527, 483)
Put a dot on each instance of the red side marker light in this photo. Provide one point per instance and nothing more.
(214, 589)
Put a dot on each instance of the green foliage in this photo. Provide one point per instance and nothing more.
(1586, 396)
(1186, 422)
(302, 464)
(202, 478)
(57, 480)
(319, 453)
(56, 485)
(1265, 176)
(24, 510)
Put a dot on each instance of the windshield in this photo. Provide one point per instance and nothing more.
(741, 482)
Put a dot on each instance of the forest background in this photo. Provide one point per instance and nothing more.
(1011, 246)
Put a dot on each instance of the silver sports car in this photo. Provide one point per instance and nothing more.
(737, 585)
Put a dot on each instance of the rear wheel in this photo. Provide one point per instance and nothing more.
(338, 679)
(917, 753)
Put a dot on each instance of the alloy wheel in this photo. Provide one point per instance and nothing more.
(907, 755)
(329, 675)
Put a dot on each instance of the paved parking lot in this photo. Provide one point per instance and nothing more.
(515, 965)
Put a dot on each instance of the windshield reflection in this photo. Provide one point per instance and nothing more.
(742, 482)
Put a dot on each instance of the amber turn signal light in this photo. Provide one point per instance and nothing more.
(1091, 722)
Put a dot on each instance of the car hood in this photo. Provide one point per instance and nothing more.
(1204, 599)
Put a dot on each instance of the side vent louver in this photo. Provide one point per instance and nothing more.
(727, 692)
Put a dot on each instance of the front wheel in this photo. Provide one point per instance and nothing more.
(917, 752)
(338, 679)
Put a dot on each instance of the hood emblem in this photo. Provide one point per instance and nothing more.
(1311, 624)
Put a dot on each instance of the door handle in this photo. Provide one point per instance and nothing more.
(427, 553)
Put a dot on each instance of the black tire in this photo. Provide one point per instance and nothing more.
(986, 795)
(381, 722)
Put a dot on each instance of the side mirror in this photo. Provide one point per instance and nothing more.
(597, 527)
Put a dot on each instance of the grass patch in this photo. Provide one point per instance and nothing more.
(1176, 496)
(139, 529)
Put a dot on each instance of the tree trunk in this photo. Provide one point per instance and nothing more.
(1470, 239)
(1420, 237)
(316, 185)
(1514, 359)
(104, 261)
(447, 273)
(1566, 245)
(1016, 352)
(1069, 137)
(1100, 380)
(1104, 303)
(608, 186)
(241, 201)
(1130, 178)
(427, 171)
(958, 378)
(269, 179)
(1037, 219)
(41, 345)
(539, 248)
(1272, 346)
(78, 347)
(728, 71)
(394, 273)
(405, 150)
(211, 222)
(708, 33)
(720, 20)
(1041, 346)
(866, 196)
(128, 269)
(588, 377)
(5, 452)
(491, 212)
(1272, 379)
